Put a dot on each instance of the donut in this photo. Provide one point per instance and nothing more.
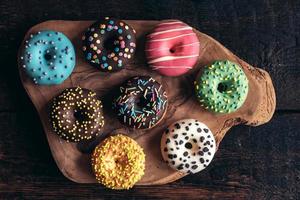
(118, 162)
(188, 146)
(76, 114)
(48, 57)
(141, 102)
(172, 48)
(109, 44)
(222, 87)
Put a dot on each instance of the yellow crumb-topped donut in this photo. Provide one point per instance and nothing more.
(118, 162)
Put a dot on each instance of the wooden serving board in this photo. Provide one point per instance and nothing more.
(74, 159)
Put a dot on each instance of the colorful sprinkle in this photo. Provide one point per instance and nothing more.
(123, 43)
(142, 103)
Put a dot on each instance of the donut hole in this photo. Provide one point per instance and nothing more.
(172, 50)
(121, 161)
(223, 87)
(80, 115)
(111, 43)
(142, 102)
(48, 56)
(114, 162)
(176, 48)
(192, 146)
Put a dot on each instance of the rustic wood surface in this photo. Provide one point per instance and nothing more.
(73, 159)
(252, 163)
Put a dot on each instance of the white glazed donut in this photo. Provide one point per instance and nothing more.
(188, 146)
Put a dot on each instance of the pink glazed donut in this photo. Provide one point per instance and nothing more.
(172, 48)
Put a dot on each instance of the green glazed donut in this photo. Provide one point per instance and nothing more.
(222, 87)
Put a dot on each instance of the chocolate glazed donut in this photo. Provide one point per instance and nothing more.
(76, 114)
(109, 44)
(142, 102)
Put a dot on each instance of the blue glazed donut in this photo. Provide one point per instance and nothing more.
(48, 57)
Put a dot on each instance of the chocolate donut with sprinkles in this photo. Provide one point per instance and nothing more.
(48, 57)
(188, 146)
(142, 102)
(109, 44)
(76, 114)
(172, 48)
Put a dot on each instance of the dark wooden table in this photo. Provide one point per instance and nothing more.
(252, 162)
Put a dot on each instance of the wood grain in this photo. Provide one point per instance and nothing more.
(243, 167)
(73, 159)
(254, 162)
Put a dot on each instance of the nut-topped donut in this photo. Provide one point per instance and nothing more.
(118, 162)
(76, 114)
(188, 146)
(48, 57)
(109, 44)
(142, 102)
(222, 87)
(172, 48)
